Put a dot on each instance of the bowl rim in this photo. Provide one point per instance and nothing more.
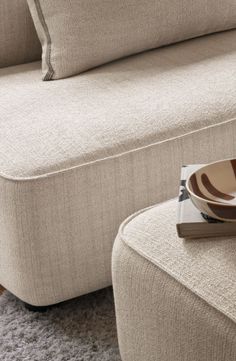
(204, 199)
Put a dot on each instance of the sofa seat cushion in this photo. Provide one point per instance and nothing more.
(116, 108)
(78, 156)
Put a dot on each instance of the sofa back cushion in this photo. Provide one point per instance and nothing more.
(78, 35)
(18, 39)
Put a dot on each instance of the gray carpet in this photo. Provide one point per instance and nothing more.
(79, 330)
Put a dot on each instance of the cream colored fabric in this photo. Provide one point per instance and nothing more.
(117, 108)
(19, 42)
(78, 35)
(79, 155)
(158, 317)
(205, 266)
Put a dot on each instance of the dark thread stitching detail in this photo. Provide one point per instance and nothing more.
(50, 71)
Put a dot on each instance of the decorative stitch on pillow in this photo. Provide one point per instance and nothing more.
(50, 71)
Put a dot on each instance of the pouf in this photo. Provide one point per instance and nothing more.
(175, 299)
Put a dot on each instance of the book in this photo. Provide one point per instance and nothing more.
(191, 223)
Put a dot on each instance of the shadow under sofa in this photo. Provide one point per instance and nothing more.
(78, 155)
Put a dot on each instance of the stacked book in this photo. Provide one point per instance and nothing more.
(191, 222)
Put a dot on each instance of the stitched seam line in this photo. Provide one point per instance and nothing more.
(121, 235)
(114, 156)
(50, 71)
(222, 310)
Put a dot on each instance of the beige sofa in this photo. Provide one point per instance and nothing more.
(78, 155)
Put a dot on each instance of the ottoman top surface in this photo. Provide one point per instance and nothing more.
(205, 266)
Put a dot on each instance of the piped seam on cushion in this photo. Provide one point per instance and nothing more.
(114, 156)
(50, 71)
(122, 237)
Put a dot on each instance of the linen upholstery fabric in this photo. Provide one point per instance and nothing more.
(175, 299)
(78, 35)
(19, 42)
(80, 155)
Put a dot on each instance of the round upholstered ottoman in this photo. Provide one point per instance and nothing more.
(175, 299)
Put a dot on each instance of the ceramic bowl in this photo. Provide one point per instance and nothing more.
(212, 189)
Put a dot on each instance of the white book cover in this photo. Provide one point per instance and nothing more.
(191, 223)
(187, 212)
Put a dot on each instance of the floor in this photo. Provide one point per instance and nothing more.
(80, 329)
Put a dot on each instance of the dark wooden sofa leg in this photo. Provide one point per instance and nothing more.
(37, 308)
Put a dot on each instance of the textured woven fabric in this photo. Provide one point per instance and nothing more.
(175, 299)
(123, 106)
(159, 319)
(19, 42)
(79, 155)
(78, 35)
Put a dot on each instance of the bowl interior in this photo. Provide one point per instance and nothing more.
(215, 182)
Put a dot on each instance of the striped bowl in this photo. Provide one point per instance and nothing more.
(212, 189)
